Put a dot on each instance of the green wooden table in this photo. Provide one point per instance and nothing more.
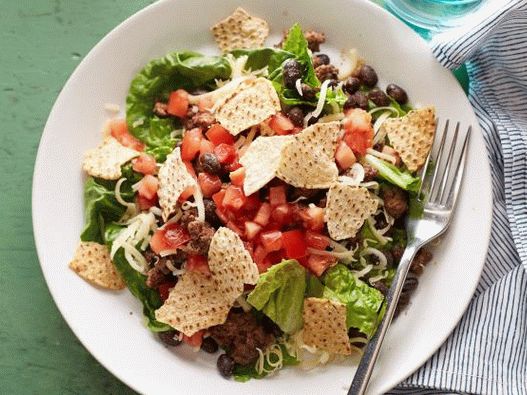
(41, 41)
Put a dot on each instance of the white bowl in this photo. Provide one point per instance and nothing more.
(111, 325)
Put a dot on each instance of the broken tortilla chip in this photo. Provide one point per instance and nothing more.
(253, 101)
(308, 161)
(92, 262)
(347, 208)
(230, 263)
(412, 135)
(261, 161)
(193, 304)
(174, 178)
(240, 30)
(106, 160)
(325, 326)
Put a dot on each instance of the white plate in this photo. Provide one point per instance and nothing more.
(111, 326)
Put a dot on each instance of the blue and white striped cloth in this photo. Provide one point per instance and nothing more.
(487, 352)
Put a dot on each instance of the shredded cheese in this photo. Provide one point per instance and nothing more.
(198, 199)
(338, 116)
(131, 208)
(380, 136)
(298, 86)
(320, 104)
(112, 107)
(380, 238)
(361, 273)
(138, 122)
(386, 157)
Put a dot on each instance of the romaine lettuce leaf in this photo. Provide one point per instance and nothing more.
(403, 179)
(296, 43)
(363, 303)
(279, 294)
(257, 59)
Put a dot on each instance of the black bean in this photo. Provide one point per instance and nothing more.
(210, 163)
(210, 212)
(320, 59)
(379, 97)
(397, 93)
(296, 115)
(368, 76)
(292, 72)
(333, 83)
(225, 365)
(351, 85)
(209, 345)
(312, 121)
(308, 92)
(357, 100)
(170, 338)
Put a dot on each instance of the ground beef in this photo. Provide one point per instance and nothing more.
(422, 257)
(202, 120)
(159, 274)
(314, 39)
(395, 201)
(327, 72)
(410, 285)
(397, 253)
(369, 173)
(201, 235)
(160, 109)
(240, 336)
(210, 213)
(188, 216)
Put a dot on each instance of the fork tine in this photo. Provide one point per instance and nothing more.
(438, 160)
(424, 171)
(458, 178)
(446, 172)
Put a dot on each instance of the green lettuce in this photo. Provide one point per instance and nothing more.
(403, 179)
(296, 43)
(363, 303)
(257, 59)
(279, 294)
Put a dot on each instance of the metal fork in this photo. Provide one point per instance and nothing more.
(438, 195)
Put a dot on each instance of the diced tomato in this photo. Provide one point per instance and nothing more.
(205, 147)
(191, 144)
(233, 166)
(164, 289)
(197, 263)
(358, 131)
(249, 246)
(259, 258)
(281, 124)
(237, 176)
(252, 229)
(294, 244)
(313, 218)
(209, 184)
(217, 134)
(195, 340)
(277, 195)
(272, 241)
(225, 153)
(218, 198)
(235, 228)
(319, 263)
(169, 237)
(190, 168)
(234, 197)
(144, 203)
(119, 131)
(145, 164)
(317, 240)
(178, 103)
(282, 214)
(188, 192)
(344, 156)
(252, 204)
(263, 214)
(222, 215)
(148, 187)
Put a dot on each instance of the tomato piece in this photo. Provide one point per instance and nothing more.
(233, 166)
(317, 240)
(235, 228)
(197, 263)
(188, 192)
(209, 184)
(318, 264)
(226, 153)
(164, 289)
(277, 195)
(281, 124)
(344, 156)
(195, 340)
(170, 237)
(259, 258)
(144, 164)
(282, 214)
(264, 214)
(234, 197)
(222, 215)
(358, 130)
(294, 244)
(205, 147)
(218, 198)
(148, 187)
(237, 176)
(272, 241)
(191, 144)
(217, 134)
(145, 204)
(313, 218)
(119, 131)
(251, 229)
(252, 204)
(178, 103)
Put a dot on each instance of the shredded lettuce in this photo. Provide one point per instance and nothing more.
(403, 179)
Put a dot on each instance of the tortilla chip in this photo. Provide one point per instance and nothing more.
(261, 161)
(230, 263)
(347, 208)
(412, 135)
(106, 160)
(193, 304)
(253, 101)
(308, 160)
(92, 262)
(325, 326)
(240, 30)
(174, 178)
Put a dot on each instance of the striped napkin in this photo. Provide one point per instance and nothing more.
(487, 352)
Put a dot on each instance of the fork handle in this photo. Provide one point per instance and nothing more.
(371, 352)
